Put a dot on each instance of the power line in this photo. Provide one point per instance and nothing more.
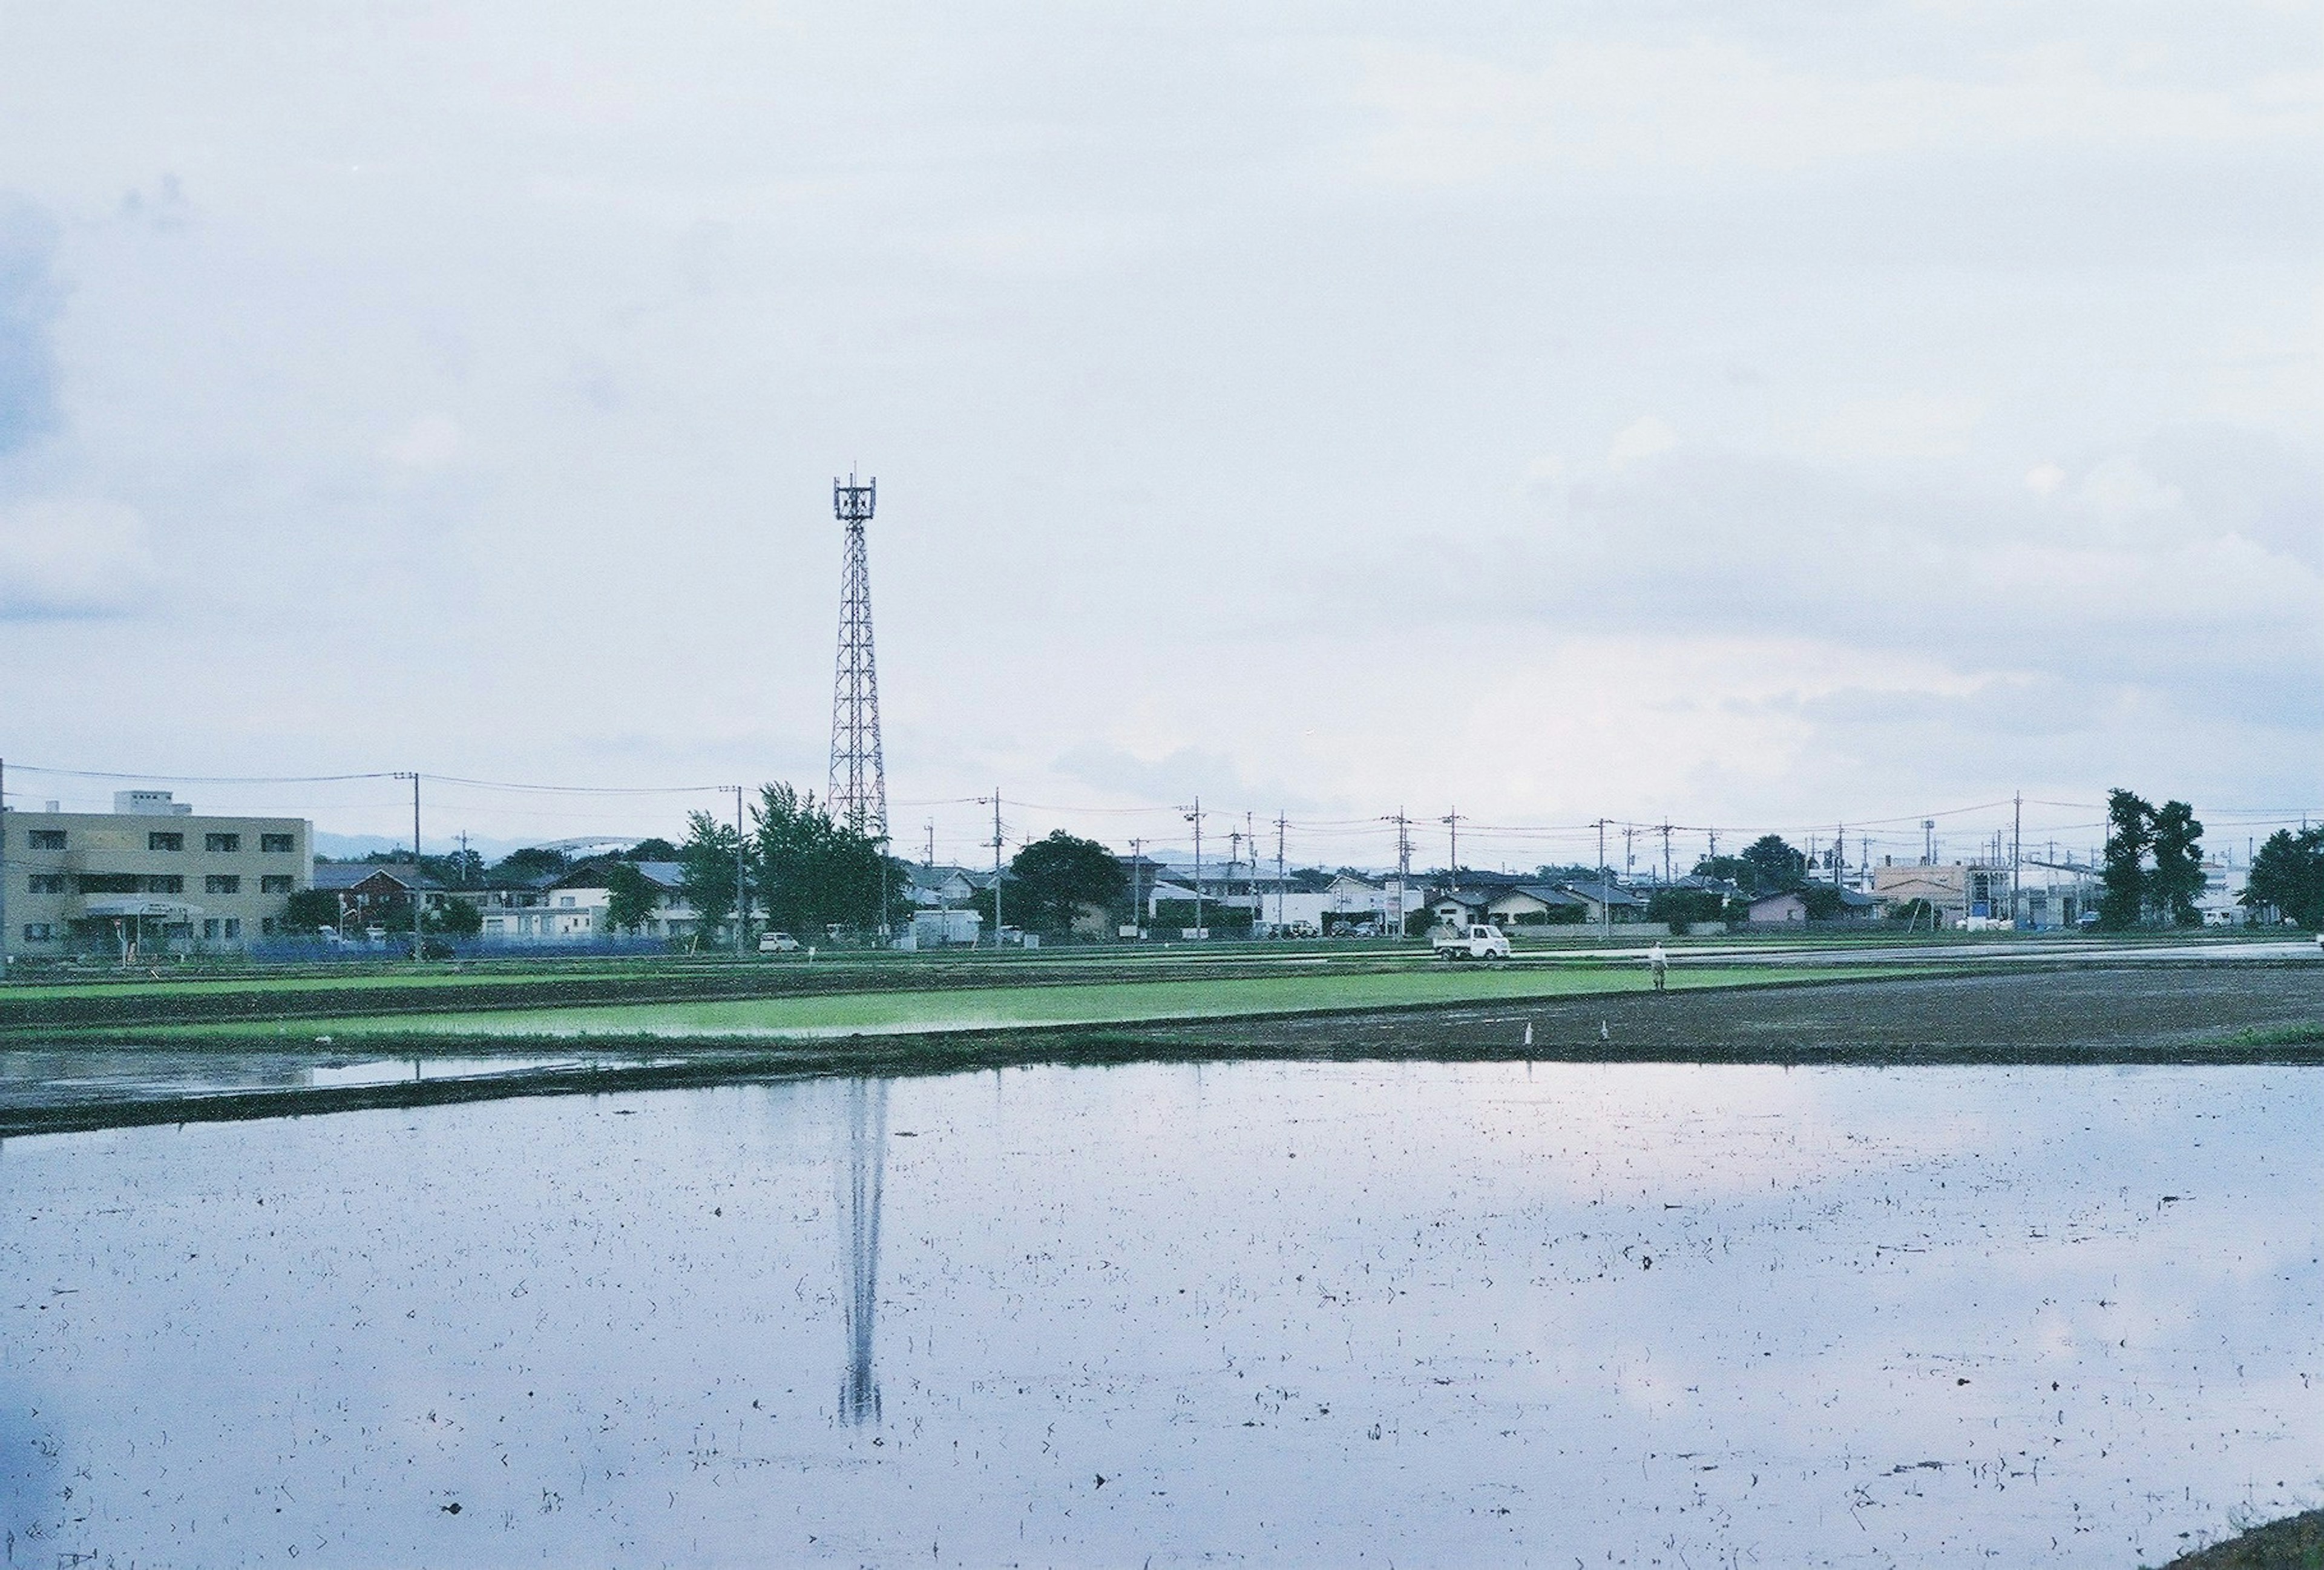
(210, 779)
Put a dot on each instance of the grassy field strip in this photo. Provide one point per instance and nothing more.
(904, 1012)
(1266, 959)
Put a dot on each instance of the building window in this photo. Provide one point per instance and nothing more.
(159, 841)
(276, 883)
(165, 883)
(45, 883)
(226, 844)
(38, 932)
(565, 900)
(45, 838)
(210, 930)
(222, 884)
(278, 844)
(233, 928)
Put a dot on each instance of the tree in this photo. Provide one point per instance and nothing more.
(457, 919)
(631, 896)
(705, 871)
(1821, 902)
(309, 909)
(656, 849)
(531, 865)
(2287, 876)
(1683, 907)
(2130, 834)
(459, 869)
(1056, 876)
(814, 873)
(1771, 865)
(2176, 880)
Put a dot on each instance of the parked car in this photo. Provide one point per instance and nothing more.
(1485, 942)
(778, 943)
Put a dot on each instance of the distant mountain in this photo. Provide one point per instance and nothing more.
(342, 847)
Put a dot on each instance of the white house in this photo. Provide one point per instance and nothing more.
(574, 908)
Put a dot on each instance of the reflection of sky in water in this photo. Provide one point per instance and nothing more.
(1323, 1313)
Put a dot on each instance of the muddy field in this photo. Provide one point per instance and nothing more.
(2202, 1013)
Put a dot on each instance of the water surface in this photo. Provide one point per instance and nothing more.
(1268, 1314)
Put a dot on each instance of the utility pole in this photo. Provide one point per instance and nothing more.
(1929, 842)
(1136, 902)
(1279, 876)
(1403, 861)
(418, 945)
(996, 869)
(464, 880)
(1250, 838)
(742, 886)
(1664, 829)
(1605, 894)
(2016, 852)
(1451, 820)
(944, 900)
(1195, 816)
(1630, 851)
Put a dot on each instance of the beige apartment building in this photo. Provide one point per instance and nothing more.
(150, 877)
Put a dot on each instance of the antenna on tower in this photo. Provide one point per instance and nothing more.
(857, 796)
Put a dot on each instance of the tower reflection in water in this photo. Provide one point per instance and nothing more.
(858, 1207)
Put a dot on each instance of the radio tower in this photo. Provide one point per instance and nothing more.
(858, 797)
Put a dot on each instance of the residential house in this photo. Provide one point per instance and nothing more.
(375, 897)
(1792, 905)
(934, 887)
(1535, 905)
(576, 905)
(1605, 900)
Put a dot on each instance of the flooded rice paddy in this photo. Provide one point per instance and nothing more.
(1328, 1314)
(98, 1076)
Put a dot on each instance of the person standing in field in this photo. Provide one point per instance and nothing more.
(1659, 962)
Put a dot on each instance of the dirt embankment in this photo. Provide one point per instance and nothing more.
(2294, 1543)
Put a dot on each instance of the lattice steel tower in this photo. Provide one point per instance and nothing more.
(857, 796)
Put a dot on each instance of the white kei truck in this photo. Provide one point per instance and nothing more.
(1472, 942)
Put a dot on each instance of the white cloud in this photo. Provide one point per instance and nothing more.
(2043, 479)
(428, 443)
(1913, 425)
(1642, 439)
(64, 559)
(1713, 103)
(2121, 489)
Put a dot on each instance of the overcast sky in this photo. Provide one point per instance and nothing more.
(1751, 415)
